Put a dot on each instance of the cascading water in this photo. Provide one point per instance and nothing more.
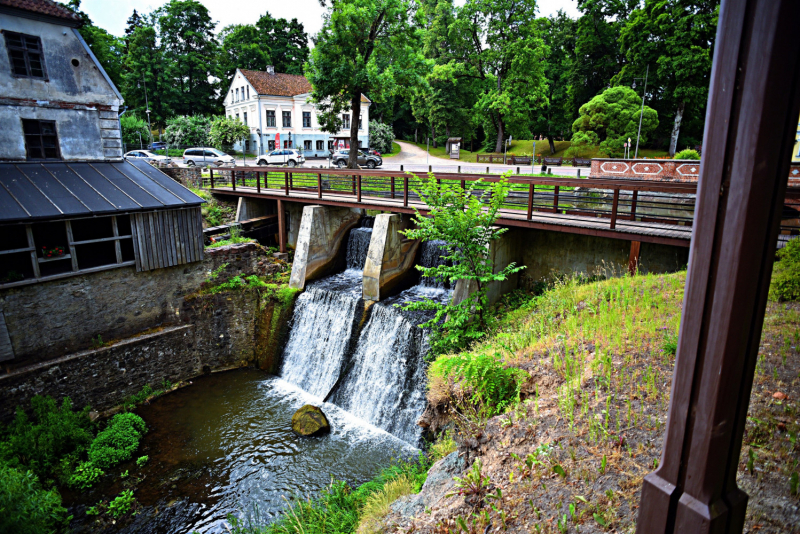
(357, 247)
(432, 255)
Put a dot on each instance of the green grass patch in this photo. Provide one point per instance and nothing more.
(395, 151)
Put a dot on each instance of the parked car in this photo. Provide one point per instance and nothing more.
(147, 156)
(283, 156)
(204, 157)
(369, 161)
(373, 152)
(158, 145)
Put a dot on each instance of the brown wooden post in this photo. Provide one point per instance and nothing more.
(319, 185)
(633, 205)
(358, 197)
(753, 100)
(211, 174)
(258, 181)
(291, 180)
(555, 199)
(354, 184)
(531, 190)
(286, 183)
(405, 191)
(614, 206)
(633, 259)
(281, 227)
(392, 180)
(233, 179)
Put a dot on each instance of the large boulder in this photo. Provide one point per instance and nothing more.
(309, 421)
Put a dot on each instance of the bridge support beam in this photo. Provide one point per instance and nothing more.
(503, 251)
(250, 208)
(390, 258)
(322, 230)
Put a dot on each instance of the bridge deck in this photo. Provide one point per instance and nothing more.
(648, 232)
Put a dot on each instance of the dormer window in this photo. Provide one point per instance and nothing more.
(25, 55)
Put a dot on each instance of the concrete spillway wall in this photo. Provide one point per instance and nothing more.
(390, 259)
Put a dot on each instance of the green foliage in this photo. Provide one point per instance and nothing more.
(688, 154)
(26, 508)
(236, 237)
(118, 441)
(147, 74)
(141, 460)
(51, 441)
(380, 136)
(191, 130)
(225, 132)
(493, 384)
(85, 475)
(134, 131)
(785, 283)
(147, 391)
(670, 344)
(237, 282)
(121, 504)
(464, 219)
(613, 117)
(243, 48)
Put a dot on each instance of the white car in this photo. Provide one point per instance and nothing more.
(283, 156)
(204, 157)
(147, 156)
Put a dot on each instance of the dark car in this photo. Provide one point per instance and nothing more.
(369, 161)
(157, 145)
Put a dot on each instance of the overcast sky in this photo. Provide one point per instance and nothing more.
(112, 14)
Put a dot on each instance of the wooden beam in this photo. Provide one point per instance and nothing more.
(753, 101)
(635, 255)
(281, 227)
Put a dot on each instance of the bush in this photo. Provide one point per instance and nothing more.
(786, 273)
(51, 441)
(493, 385)
(26, 508)
(85, 475)
(118, 441)
(381, 136)
(688, 154)
(189, 130)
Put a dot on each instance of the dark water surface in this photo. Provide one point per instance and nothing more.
(224, 445)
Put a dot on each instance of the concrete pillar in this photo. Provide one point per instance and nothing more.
(390, 258)
(322, 230)
(250, 208)
(503, 251)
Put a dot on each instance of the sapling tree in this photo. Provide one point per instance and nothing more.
(464, 219)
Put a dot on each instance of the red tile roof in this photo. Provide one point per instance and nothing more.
(278, 84)
(42, 7)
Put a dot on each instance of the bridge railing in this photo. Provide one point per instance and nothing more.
(613, 199)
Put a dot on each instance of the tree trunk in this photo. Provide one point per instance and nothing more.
(447, 133)
(498, 146)
(433, 134)
(352, 159)
(676, 129)
(552, 144)
(416, 130)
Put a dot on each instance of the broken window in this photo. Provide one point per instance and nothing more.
(41, 140)
(25, 55)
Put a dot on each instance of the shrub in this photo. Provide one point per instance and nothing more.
(26, 508)
(493, 385)
(85, 475)
(786, 273)
(118, 441)
(688, 154)
(381, 136)
(121, 504)
(49, 442)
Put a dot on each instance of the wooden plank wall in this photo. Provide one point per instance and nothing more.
(167, 238)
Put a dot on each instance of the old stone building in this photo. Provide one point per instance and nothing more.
(56, 101)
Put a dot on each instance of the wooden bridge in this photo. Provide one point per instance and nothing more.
(631, 210)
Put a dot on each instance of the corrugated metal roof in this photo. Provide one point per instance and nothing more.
(59, 189)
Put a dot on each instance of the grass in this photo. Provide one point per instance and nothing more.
(395, 151)
(524, 147)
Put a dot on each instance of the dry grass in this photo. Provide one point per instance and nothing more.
(377, 504)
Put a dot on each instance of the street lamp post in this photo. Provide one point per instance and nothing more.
(149, 128)
(641, 114)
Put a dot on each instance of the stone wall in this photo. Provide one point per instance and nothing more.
(186, 176)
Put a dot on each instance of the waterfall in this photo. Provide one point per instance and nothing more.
(431, 255)
(357, 247)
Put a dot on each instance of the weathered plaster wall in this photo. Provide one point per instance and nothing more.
(546, 253)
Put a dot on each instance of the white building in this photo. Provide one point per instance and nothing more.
(272, 103)
(56, 101)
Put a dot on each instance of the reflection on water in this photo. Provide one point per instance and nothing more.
(225, 445)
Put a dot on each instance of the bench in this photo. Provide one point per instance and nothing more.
(581, 162)
(551, 161)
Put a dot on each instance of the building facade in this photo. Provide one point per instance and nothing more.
(276, 105)
(56, 101)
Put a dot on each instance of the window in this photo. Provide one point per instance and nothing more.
(287, 119)
(245, 117)
(270, 118)
(345, 121)
(361, 144)
(247, 145)
(41, 140)
(306, 119)
(330, 145)
(232, 96)
(25, 55)
(248, 92)
(359, 124)
(237, 116)
(320, 145)
(287, 144)
(271, 144)
(237, 95)
(306, 145)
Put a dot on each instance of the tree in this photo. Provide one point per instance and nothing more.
(676, 39)
(133, 22)
(464, 220)
(191, 53)
(226, 132)
(558, 33)
(286, 41)
(364, 47)
(134, 131)
(188, 130)
(498, 43)
(381, 136)
(146, 84)
(611, 118)
(243, 48)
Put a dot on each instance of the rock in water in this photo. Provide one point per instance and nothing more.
(309, 421)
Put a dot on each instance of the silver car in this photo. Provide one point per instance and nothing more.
(147, 156)
(204, 157)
